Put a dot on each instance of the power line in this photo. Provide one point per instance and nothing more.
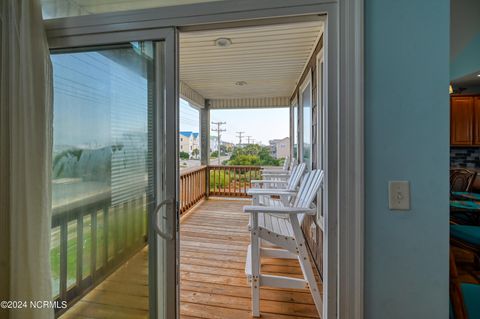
(240, 135)
(249, 138)
(219, 131)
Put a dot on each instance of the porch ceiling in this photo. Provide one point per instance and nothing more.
(270, 59)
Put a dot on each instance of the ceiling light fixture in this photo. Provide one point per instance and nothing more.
(223, 42)
(240, 83)
(478, 75)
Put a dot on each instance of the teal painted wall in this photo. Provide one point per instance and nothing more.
(467, 61)
(407, 138)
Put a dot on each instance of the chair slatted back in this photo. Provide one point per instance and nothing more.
(293, 163)
(309, 187)
(296, 176)
(461, 179)
(286, 163)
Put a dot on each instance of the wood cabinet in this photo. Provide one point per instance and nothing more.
(476, 120)
(464, 116)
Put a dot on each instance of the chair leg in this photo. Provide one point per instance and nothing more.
(306, 265)
(255, 260)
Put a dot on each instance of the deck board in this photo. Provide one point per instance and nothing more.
(214, 239)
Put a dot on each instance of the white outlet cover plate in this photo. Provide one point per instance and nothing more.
(399, 195)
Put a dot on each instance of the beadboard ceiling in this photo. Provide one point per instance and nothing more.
(270, 59)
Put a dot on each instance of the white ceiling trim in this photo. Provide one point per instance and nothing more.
(258, 102)
(192, 96)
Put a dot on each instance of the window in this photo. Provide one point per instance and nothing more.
(306, 121)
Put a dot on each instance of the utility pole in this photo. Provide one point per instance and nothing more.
(249, 138)
(219, 131)
(240, 135)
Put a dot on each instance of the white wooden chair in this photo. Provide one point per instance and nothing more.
(281, 226)
(290, 184)
(279, 174)
(263, 190)
(286, 166)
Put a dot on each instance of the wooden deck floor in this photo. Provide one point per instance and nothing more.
(214, 240)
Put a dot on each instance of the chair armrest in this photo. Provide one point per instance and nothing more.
(272, 176)
(274, 171)
(270, 191)
(280, 173)
(269, 181)
(277, 210)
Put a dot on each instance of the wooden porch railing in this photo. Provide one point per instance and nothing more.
(193, 187)
(232, 181)
(90, 238)
(215, 180)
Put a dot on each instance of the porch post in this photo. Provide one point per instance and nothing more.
(205, 133)
(205, 140)
(292, 132)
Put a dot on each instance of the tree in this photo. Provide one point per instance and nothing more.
(214, 154)
(184, 155)
(195, 153)
(253, 154)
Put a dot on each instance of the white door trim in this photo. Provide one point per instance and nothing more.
(351, 156)
(344, 231)
(321, 98)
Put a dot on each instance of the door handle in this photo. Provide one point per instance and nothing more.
(165, 235)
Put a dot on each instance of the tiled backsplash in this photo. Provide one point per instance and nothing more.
(465, 157)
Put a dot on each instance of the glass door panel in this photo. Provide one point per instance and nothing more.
(109, 177)
(306, 99)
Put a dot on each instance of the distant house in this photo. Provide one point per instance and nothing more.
(280, 148)
(189, 141)
(213, 143)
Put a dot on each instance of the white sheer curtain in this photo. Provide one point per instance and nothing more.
(25, 155)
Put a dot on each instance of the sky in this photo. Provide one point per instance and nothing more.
(261, 124)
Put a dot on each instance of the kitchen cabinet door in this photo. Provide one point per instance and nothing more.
(461, 120)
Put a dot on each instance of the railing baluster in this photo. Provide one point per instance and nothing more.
(244, 181)
(229, 180)
(234, 181)
(79, 249)
(63, 258)
(93, 248)
(106, 225)
(224, 181)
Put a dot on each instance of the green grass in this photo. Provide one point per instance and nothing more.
(220, 179)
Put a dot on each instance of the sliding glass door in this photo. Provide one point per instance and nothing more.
(114, 175)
